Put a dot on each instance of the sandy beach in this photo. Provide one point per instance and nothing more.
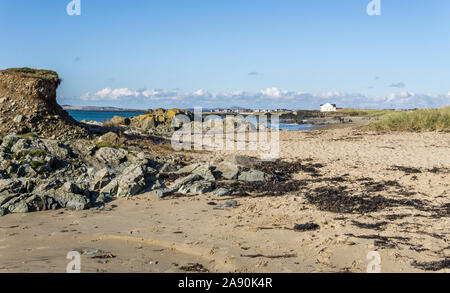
(363, 192)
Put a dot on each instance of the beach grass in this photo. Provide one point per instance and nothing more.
(418, 120)
(372, 113)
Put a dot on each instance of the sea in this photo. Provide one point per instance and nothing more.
(101, 116)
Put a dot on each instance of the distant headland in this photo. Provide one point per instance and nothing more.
(100, 109)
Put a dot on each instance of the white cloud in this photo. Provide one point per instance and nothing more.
(271, 97)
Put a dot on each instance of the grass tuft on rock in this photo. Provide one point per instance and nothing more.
(26, 72)
(105, 144)
(37, 164)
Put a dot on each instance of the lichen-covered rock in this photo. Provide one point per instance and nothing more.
(161, 120)
(117, 120)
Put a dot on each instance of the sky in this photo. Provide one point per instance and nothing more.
(293, 54)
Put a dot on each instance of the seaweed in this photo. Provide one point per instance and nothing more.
(375, 226)
(407, 170)
(285, 169)
(306, 227)
(433, 265)
(339, 200)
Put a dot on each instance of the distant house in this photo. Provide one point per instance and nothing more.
(328, 107)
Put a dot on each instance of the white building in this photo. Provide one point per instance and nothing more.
(328, 107)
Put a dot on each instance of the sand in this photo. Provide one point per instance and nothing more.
(147, 234)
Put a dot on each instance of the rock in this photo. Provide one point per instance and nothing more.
(101, 179)
(3, 212)
(56, 148)
(82, 149)
(71, 201)
(189, 168)
(110, 138)
(186, 180)
(167, 168)
(7, 185)
(254, 176)
(70, 187)
(18, 208)
(21, 145)
(204, 170)
(18, 118)
(159, 120)
(110, 189)
(9, 141)
(157, 184)
(117, 120)
(71, 196)
(241, 160)
(5, 199)
(228, 170)
(163, 192)
(227, 204)
(198, 187)
(131, 182)
(221, 192)
(110, 156)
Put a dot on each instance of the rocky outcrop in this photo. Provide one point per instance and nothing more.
(28, 105)
(159, 121)
(39, 174)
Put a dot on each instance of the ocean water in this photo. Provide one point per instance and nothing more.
(283, 125)
(104, 116)
(100, 116)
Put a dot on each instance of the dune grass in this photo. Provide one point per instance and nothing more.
(363, 112)
(418, 120)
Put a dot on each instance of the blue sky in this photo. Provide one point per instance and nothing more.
(217, 53)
